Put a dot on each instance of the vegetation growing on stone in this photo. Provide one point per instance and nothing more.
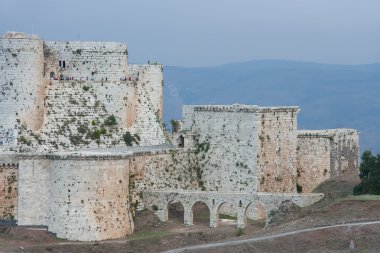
(202, 147)
(111, 121)
(129, 139)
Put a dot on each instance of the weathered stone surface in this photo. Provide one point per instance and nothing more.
(276, 149)
(159, 202)
(56, 95)
(69, 109)
(8, 191)
(243, 148)
(323, 154)
(313, 160)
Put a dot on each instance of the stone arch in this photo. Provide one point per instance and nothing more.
(175, 210)
(201, 211)
(227, 212)
(255, 213)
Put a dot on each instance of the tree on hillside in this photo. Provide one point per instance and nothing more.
(369, 175)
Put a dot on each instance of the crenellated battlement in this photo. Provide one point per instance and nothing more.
(243, 108)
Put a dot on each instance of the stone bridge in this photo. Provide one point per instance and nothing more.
(159, 202)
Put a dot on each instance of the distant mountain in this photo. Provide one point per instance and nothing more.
(330, 96)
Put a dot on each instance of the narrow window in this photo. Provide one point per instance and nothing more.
(60, 63)
(64, 64)
(181, 141)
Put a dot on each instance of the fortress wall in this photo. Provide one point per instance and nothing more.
(151, 76)
(313, 159)
(87, 60)
(89, 199)
(344, 152)
(276, 149)
(76, 109)
(33, 191)
(48, 112)
(225, 139)
(174, 169)
(72, 106)
(148, 124)
(21, 66)
(8, 190)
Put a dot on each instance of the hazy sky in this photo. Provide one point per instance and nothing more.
(209, 32)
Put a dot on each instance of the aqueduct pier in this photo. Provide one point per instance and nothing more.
(159, 202)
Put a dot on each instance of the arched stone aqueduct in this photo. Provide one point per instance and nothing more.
(159, 202)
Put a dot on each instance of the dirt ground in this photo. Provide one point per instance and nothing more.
(151, 235)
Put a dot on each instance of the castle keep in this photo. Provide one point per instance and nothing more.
(51, 90)
(83, 147)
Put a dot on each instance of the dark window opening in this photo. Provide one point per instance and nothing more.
(64, 64)
(60, 63)
(181, 141)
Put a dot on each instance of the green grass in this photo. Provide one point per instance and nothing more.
(364, 197)
(226, 216)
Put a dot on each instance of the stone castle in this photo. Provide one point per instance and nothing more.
(83, 145)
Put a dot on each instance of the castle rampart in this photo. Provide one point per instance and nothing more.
(243, 147)
(324, 154)
(21, 79)
(91, 195)
(70, 109)
(276, 149)
(56, 95)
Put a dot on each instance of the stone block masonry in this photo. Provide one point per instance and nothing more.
(276, 149)
(159, 202)
(225, 140)
(92, 195)
(323, 154)
(243, 148)
(247, 148)
(55, 95)
(313, 159)
(70, 109)
(8, 191)
(77, 199)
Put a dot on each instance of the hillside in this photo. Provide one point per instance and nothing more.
(330, 96)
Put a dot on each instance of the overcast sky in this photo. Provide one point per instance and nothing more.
(209, 32)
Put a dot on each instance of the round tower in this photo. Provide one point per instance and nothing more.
(21, 84)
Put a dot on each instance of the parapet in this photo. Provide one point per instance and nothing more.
(104, 154)
(19, 35)
(241, 108)
(225, 108)
(267, 109)
(326, 133)
(313, 134)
